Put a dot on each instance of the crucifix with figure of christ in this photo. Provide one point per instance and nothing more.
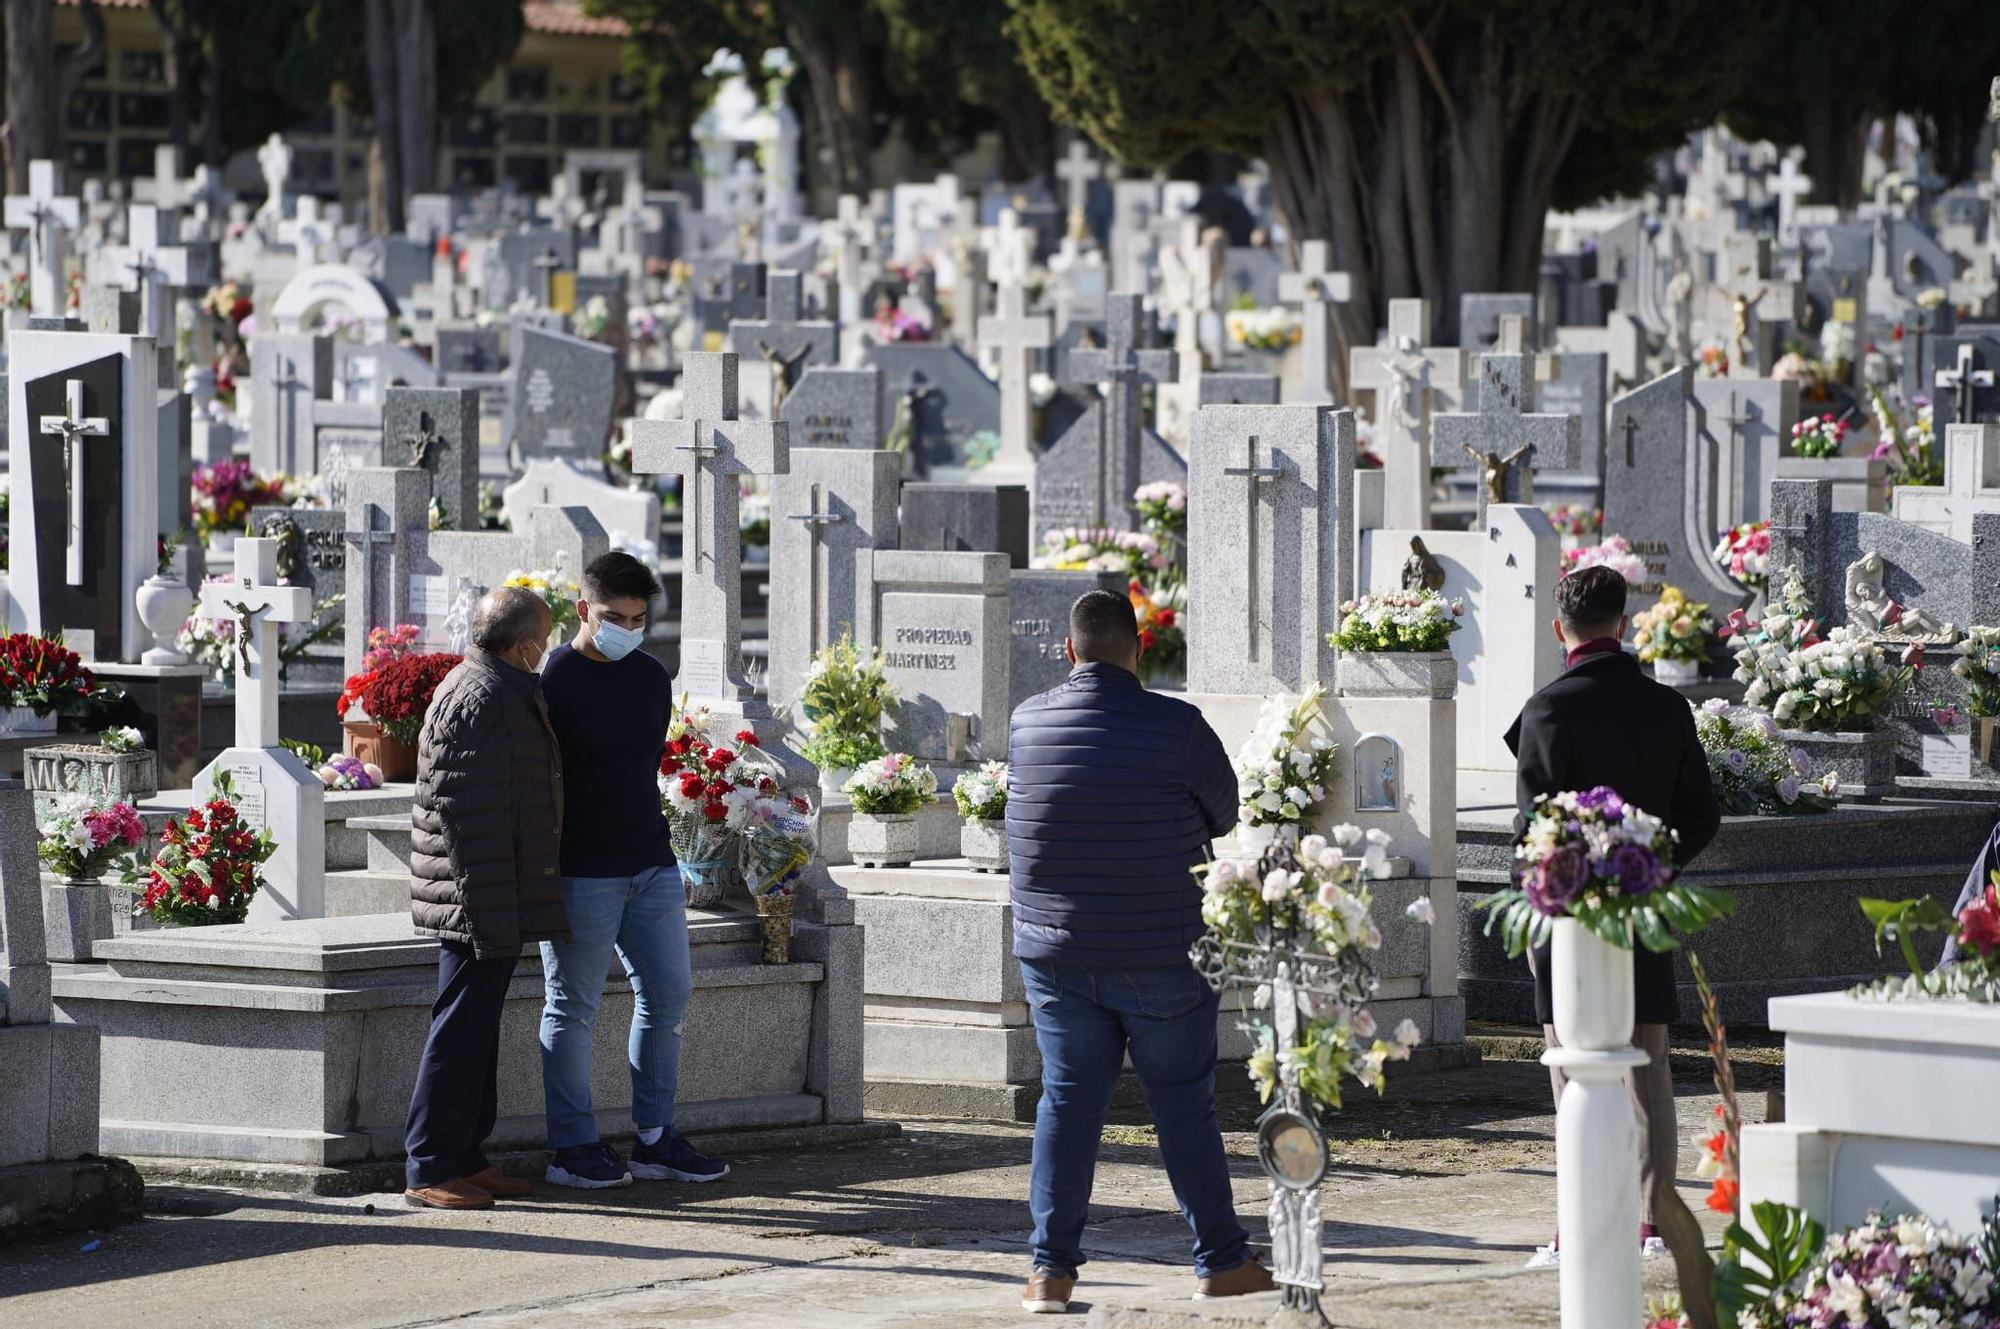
(1506, 432)
(157, 265)
(73, 426)
(257, 606)
(709, 448)
(424, 439)
(784, 341)
(48, 219)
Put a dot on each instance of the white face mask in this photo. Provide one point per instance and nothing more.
(540, 660)
(614, 642)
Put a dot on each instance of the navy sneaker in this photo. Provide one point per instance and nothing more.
(588, 1167)
(672, 1158)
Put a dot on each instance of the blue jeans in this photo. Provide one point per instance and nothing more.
(643, 920)
(1086, 1020)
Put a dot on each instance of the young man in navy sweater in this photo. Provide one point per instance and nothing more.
(609, 704)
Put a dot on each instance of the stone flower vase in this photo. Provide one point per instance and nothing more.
(833, 779)
(1252, 841)
(774, 916)
(366, 742)
(1677, 673)
(24, 720)
(1865, 762)
(1986, 747)
(983, 842)
(883, 840)
(164, 604)
(1397, 674)
(76, 916)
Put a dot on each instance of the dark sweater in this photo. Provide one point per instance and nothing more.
(1113, 794)
(611, 719)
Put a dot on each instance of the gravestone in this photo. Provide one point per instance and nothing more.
(1018, 339)
(346, 435)
(1087, 479)
(1270, 545)
(828, 508)
(532, 259)
(782, 341)
(300, 307)
(1665, 492)
(274, 790)
(387, 515)
(1479, 315)
(1575, 386)
(945, 400)
(563, 390)
(631, 512)
(1236, 389)
(436, 430)
(1411, 381)
(1966, 382)
(1971, 485)
(468, 350)
(835, 408)
(977, 519)
(1507, 438)
(1316, 289)
(941, 621)
(1745, 426)
(287, 375)
(311, 548)
(1039, 601)
(48, 217)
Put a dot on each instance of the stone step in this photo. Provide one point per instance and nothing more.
(356, 891)
(388, 841)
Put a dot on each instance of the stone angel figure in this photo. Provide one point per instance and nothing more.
(1871, 611)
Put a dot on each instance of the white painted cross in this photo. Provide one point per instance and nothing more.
(1316, 288)
(1010, 250)
(73, 426)
(257, 605)
(1016, 335)
(1410, 380)
(1077, 169)
(1790, 186)
(48, 219)
(708, 447)
(1971, 484)
(151, 261)
(846, 233)
(1965, 379)
(307, 232)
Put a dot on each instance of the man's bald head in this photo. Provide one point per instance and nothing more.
(505, 619)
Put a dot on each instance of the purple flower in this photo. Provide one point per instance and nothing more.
(1735, 760)
(1602, 799)
(1559, 879)
(1634, 868)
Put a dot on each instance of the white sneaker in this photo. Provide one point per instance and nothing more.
(1545, 1257)
(1652, 1248)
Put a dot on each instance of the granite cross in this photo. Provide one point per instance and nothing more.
(257, 604)
(155, 261)
(1127, 369)
(426, 438)
(783, 340)
(73, 426)
(1962, 380)
(47, 218)
(1316, 288)
(1971, 484)
(708, 447)
(1410, 381)
(1737, 416)
(1505, 431)
(368, 538)
(1016, 335)
(816, 518)
(1254, 477)
(289, 385)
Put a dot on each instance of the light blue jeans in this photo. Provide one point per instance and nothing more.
(643, 921)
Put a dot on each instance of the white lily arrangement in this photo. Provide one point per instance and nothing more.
(1283, 768)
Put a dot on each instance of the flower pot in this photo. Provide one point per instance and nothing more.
(1590, 985)
(704, 882)
(1677, 673)
(23, 720)
(1397, 674)
(832, 779)
(1866, 763)
(76, 768)
(774, 915)
(164, 604)
(76, 915)
(888, 840)
(983, 841)
(367, 743)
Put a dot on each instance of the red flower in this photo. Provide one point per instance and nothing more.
(714, 810)
(717, 788)
(719, 759)
(1723, 1195)
(1979, 924)
(1167, 618)
(746, 738)
(692, 786)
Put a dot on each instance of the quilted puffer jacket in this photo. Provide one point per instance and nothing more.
(486, 829)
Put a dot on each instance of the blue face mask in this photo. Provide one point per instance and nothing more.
(614, 642)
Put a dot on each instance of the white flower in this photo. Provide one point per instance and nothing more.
(1346, 836)
(1407, 1034)
(1421, 910)
(1310, 847)
(1364, 1024)
(1278, 884)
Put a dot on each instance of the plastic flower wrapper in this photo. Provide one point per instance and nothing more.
(1674, 628)
(1615, 553)
(557, 591)
(1978, 666)
(1284, 767)
(1744, 552)
(342, 772)
(710, 791)
(778, 845)
(1094, 549)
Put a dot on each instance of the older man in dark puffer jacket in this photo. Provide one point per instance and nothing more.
(1113, 795)
(484, 841)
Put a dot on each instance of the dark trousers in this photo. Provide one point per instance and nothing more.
(457, 1098)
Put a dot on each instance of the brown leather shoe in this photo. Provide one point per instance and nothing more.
(448, 1195)
(499, 1185)
(1241, 1281)
(1047, 1293)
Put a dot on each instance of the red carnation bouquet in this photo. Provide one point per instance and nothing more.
(207, 868)
(42, 674)
(715, 794)
(398, 695)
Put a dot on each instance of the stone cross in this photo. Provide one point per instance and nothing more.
(1016, 335)
(386, 512)
(708, 447)
(1410, 380)
(788, 344)
(845, 233)
(1077, 169)
(1971, 484)
(1010, 250)
(74, 426)
(1127, 368)
(815, 519)
(257, 604)
(1791, 186)
(1316, 288)
(155, 262)
(48, 219)
(1253, 476)
(307, 232)
(1505, 437)
(1962, 379)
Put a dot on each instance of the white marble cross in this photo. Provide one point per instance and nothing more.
(149, 262)
(1316, 288)
(1965, 379)
(73, 426)
(1077, 169)
(256, 604)
(1016, 335)
(1410, 380)
(307, 232)
(708, 447)
(1971, 484)
(47, 218)
(1010, 250)
(847, 233)
(1790, 186)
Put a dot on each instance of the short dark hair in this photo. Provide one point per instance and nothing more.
(505, 618)
(1103, 627)
(618, 576)
(1591, 601)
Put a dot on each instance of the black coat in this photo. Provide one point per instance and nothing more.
(1113, 794)
(1603, 722)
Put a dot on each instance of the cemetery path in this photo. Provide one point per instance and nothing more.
(1439, 1193)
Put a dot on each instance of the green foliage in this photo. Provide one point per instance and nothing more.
(835, 751)
(1652, 918)
(1782, 1248)
(328, 48)
(312, 754)
(846, 691)
(1900, 920)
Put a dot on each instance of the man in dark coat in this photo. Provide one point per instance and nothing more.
(1603, 722)
(1113, 795)
(485, 837)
